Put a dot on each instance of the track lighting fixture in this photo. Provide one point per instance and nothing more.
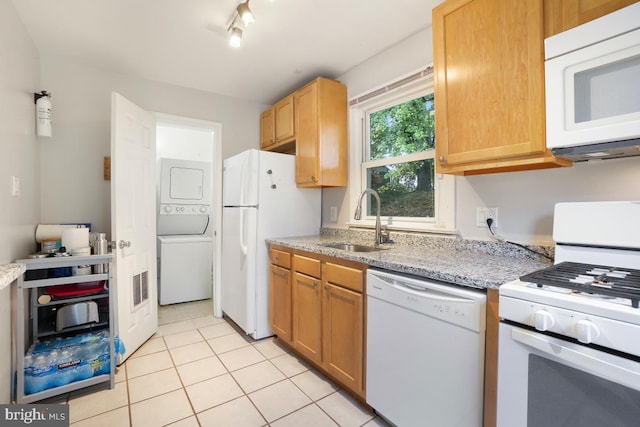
(244, 13)
(236, 37)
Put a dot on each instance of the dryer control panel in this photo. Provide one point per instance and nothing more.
(173, 209)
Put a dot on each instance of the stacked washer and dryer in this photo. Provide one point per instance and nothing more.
(185, 246)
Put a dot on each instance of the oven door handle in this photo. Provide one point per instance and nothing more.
(616, 372)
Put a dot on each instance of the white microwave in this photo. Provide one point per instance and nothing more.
(592, 84)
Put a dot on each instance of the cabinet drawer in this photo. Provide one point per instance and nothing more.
(308, 266)
(280, 258)
(351, 278)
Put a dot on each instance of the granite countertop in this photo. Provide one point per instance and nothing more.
(472, 263)
(9, 273)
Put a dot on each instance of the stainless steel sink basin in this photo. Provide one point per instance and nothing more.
(350, 247)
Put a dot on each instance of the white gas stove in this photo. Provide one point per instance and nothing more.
(575, 326)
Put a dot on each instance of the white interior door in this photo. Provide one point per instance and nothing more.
(133, 221)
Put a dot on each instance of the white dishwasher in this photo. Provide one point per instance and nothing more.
(425, 351)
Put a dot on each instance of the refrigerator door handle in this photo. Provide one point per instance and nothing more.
(243, 245)
(243, 172)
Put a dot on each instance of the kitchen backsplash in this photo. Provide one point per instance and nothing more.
(452, 243)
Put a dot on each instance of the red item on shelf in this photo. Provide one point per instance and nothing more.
(76, 290)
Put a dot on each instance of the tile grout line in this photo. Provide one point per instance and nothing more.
(184, 388)
(254, 345)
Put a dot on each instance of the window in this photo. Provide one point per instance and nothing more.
(395, 134)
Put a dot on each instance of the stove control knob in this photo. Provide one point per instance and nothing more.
(543, 320)
(587, 331)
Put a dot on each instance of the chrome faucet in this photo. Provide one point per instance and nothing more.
(382, 235)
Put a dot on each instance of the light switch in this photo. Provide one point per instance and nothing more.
(15, 186)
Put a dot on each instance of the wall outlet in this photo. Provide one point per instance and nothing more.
(482, 214)
(15, 186)
(333, 213)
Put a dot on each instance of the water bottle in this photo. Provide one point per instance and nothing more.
(65, 369)
(38, 376)
(100, 248)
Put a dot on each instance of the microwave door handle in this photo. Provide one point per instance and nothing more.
(604, 369)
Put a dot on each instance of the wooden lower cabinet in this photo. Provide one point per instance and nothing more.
(327, 315)
(307, 316)
(342, 335)
(280, 297)
(280, 303)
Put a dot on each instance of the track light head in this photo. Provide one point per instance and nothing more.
(236, 37)
(245, 13)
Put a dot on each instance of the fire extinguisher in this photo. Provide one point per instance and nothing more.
(43, 113)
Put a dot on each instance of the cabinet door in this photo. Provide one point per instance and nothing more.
(284, 124)
(489, 81)
(266, 128)
(562, 15)
(307, 148)
(280, 302)
(307, 316)
(342, 333)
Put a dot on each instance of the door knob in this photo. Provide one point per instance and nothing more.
(124, 244)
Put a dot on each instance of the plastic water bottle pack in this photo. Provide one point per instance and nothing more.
(62, 361)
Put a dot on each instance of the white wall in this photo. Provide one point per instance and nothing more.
(73, 188)
(20, 157)
(525, 199)
(176, 142)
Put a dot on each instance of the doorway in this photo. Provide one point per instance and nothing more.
(198, 140)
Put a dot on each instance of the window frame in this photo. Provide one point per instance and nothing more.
(443, 221)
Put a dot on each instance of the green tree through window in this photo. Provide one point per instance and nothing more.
(397, 133)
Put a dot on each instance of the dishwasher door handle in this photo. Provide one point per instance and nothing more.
(426, 293)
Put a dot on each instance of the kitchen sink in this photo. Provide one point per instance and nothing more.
(351, 247)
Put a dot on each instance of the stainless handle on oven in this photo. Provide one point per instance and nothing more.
(628, 376)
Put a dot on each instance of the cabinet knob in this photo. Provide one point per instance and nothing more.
(326, 288)
(277, 258)
(124, 244)
(315, 284)
(313, 178)
(441, 159)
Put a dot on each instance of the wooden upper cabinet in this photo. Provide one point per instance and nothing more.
(284, 129)
(267, 136)
(277, 127)
(562, 15)
(489, 87)
(321, 134)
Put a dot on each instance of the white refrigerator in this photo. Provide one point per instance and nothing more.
(260, 201)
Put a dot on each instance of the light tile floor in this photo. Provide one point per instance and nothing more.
(198, 370)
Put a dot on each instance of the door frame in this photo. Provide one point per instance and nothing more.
(216, 187)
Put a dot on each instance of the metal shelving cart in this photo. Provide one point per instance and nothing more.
(30, 327)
